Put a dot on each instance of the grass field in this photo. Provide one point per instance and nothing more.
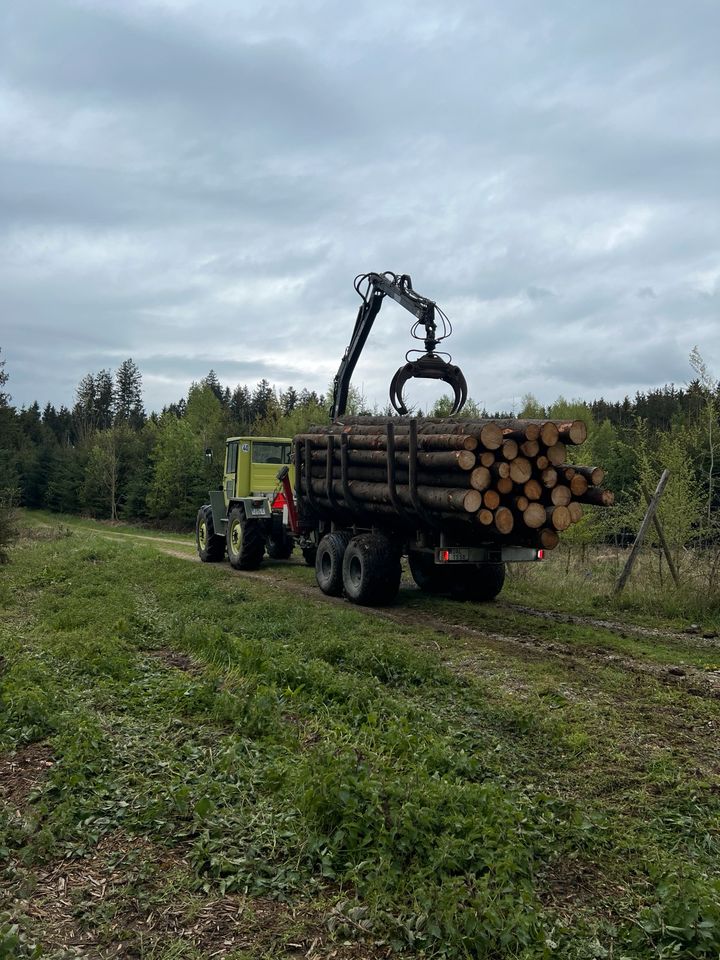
(196, 763)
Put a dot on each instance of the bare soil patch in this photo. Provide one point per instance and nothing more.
(22, 772)
(173, 658)
(128, 896)
(572, 886)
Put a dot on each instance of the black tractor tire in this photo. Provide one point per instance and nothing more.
(329, 562)
(245, 541)
(279, 548)
(480, 582)
(309, 555)
(428, 575)
(210, 545)
(371, 570)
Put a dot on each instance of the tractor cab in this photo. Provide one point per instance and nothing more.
(252, 464)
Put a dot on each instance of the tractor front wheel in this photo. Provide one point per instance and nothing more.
(210, 545)
(245, 541)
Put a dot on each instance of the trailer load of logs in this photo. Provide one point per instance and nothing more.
(503, 480)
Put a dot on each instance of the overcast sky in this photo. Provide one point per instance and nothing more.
(196, 185)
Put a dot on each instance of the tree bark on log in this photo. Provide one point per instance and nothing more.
(428, 460)
(598, 497)
(378, 441)
(447, 499)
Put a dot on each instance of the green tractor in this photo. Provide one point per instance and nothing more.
(250, 514)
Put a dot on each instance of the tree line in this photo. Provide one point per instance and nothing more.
(108, 458)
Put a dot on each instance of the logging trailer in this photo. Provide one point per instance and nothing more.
(453, 496)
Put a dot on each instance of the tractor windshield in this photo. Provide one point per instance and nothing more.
(271, 452)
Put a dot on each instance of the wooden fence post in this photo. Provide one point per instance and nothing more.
(663, 542)
(647, 520)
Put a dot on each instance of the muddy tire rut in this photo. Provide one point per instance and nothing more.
(683, 677)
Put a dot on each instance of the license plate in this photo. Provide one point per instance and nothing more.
(258, 511)
(456, 556)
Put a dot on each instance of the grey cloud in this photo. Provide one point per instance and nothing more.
(198, 187)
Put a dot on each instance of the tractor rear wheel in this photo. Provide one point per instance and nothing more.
(329, 562)
(371, 570)
(245, 541)
(480, 582)
(210, 545)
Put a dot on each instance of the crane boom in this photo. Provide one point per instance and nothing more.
(428, 366)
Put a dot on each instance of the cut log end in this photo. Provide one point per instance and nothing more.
(509, 449)
(480, 478)
(533, 489)
(559, 517)
(504, 520)
(560, 496)
(549, 539)
(549, 433)
(491, 499)
(491, 436)
(576, 511)
(556, 454)
(520, 470)
(534, 516)
(472, 501)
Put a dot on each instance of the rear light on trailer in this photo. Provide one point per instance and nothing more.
(445, 556)
(541, 554)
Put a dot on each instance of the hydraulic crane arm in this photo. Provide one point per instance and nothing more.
(429, 366)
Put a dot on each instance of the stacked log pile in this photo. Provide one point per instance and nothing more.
(505, 479)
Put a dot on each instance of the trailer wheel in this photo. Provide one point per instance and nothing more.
(371, 570)
(210, 545)
(245, 541)
(480, 582)
(429, 577)
(329, 562)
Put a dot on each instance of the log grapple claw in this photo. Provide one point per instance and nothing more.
(430, 366)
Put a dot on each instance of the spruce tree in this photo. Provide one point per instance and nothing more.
(128, 407)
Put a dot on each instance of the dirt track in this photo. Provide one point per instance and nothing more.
(682, 676)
